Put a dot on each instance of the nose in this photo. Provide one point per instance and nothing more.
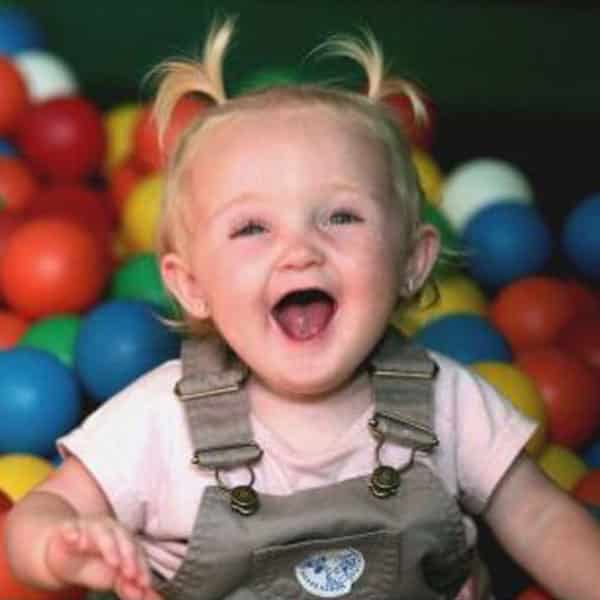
(301, 252)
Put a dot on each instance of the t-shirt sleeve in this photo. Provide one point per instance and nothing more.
(481, 433)
(120, 442)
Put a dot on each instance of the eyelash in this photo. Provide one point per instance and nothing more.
(344, 217)
(248, 229)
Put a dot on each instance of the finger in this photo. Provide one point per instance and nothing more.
(132, 559)
(101, 537)
(128, 589)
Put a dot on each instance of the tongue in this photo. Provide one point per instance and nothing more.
(304, 321)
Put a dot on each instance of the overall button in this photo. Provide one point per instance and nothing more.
(244, 500)
(385, 481)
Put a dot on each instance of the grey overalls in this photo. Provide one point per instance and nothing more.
(393, 534)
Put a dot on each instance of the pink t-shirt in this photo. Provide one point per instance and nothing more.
(137, 447)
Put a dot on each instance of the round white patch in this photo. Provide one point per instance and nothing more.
(331, 573)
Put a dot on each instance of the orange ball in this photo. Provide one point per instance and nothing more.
(12, 327)
(14, 98)
(18, 184)
(532, 311)
(588, 488)
(12, 589)
(51, 266)
(581, 338)
(571, 393)
(121, 181)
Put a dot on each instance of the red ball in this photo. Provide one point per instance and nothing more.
(63, 138)
(14, 98)
(146, 149)
(51, 266)
(12, 328)
(13, 589)
(122, 179)
(420, 132)
(582, 297)
(89, 207)
(571, 393)
(582, 338)
(532, 311)
(588, 488)
(18, 184)
(5, 501)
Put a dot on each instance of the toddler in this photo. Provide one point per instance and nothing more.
(301, 448)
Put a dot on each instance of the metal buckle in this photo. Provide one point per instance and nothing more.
(243, 499)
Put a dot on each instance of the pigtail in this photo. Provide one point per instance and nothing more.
(180, 77)
(367, 52)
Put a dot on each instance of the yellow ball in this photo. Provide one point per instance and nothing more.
(19, 473)
(430, 175)
(457, 294)
(562, 465)
(119, 124)
(140, 213)
(524, 394)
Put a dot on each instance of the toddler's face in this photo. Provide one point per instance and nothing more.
(294, 245)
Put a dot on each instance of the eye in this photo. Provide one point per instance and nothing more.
(250, 228)
(344, 217)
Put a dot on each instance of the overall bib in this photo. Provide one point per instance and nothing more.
(395, 534)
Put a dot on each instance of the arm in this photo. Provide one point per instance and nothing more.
(547, 532)
(73, 538)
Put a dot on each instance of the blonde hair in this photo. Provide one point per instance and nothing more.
(183, 77)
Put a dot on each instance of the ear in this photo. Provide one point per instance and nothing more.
(183, 284)
(422, 259)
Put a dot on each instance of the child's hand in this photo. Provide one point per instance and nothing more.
(99, 553)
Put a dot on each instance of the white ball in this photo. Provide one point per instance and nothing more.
(46, 75)
(472, 186)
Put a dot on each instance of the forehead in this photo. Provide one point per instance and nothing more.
(284, 148)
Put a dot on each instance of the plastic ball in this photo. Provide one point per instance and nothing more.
(82, 204)
(19, 31)
(451, 258)
(18, 184)
(581, 338)
(466, 338)
(41, 401)
(140, 213)
(51, 266)
(583, 298)
(47, 75)
(420, 131)
(430, 175)
(56, 335)
(121, 182)
(139, 279)
(63, 138)
(473, 185)
(588, 488)
(456, 294)
(591, 454)
(137, 339)
(506, 241)
(5, 501)
(571, 393)
(12, 328)
(532, 311)
(562, 466)
(120, 123)
(12, 589)
(7, 148)
(579, 237)
(514, 384)
(19, 473)
(15, 96)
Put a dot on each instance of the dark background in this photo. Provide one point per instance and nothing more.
(514, 80)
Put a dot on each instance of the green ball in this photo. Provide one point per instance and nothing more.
(139, 279)
(266, 78)
(56, 334)
(452, 256)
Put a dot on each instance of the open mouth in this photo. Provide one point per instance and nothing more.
(304, 314)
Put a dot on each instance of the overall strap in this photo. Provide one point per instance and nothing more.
(216, 404)
(402, 378)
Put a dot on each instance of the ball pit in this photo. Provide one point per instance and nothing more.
(15, 96)
(56, 335)
(19, 473)
(19, 31)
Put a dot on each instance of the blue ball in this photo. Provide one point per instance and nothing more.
(41, 401)
(6, 148)
(19, 31)
(505, 242)
(467, 338)
(580, 237)
(118, 341)
(591, 455)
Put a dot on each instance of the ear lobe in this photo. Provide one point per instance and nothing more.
(182, 283)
